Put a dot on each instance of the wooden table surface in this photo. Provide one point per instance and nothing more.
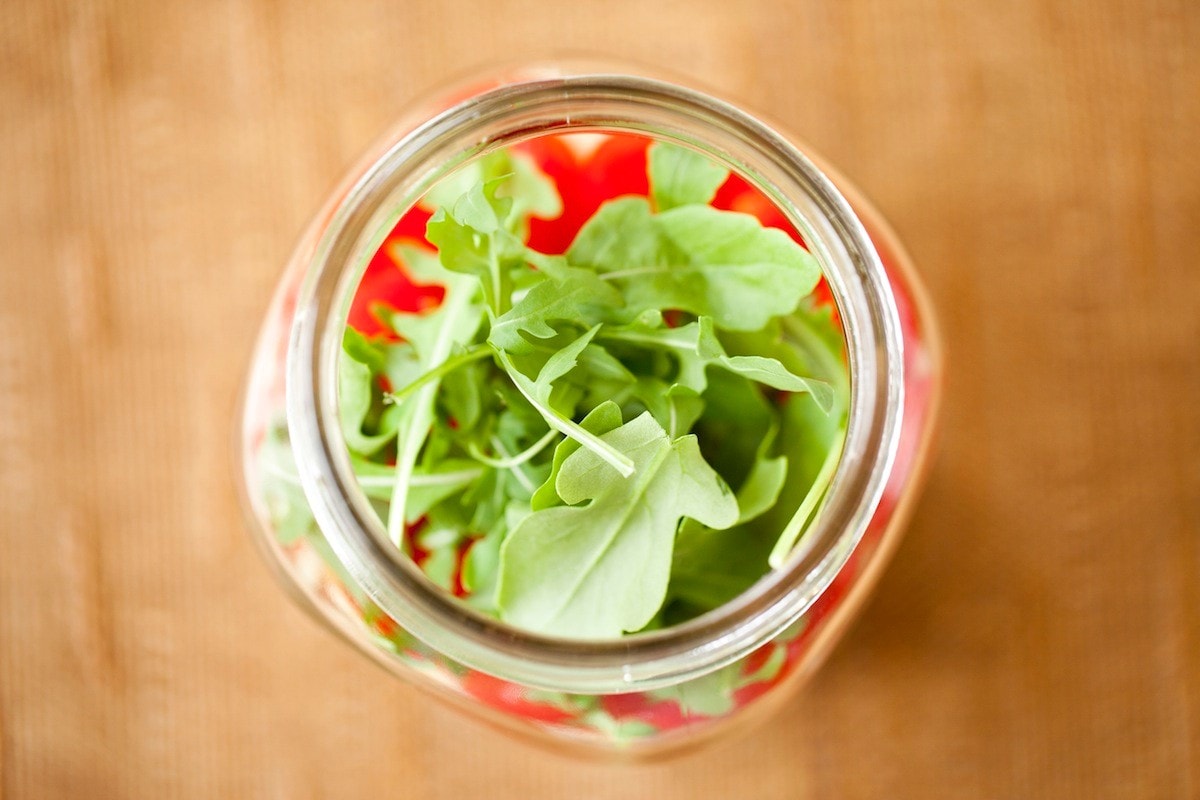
(1038, 634)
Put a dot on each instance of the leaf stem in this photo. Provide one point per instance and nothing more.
(519, 458)
(517, 471)
(632, 272)
(648, 339)
(791, 533)
(418, 418)
(430, 479)
(449, 365)
(613, 457)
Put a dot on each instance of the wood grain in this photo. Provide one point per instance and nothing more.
(1038, 635)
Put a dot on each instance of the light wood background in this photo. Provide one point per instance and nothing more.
(1038, 635)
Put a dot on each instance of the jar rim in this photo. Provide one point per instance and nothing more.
(536, 102)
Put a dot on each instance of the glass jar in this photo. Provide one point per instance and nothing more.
(649, 692)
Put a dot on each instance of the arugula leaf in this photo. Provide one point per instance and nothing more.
(737, 271)
(290, 513)
(597, 570)
(679, 176)
(518, 177)
(532, 191)
(537, 392)
(472, 238)
(462, 395)
(621, 236)
(769, 371)
(811, 437)
(696, 259)
(442, 545)
(808, 506)
(762, 486)
(712, 567)
(433, 336)
(479, 226)
(682, 343)
(684, 407)
(364, 351)
(605, 376)
(736, 418)
(481, 564)
(619, 731)
(422, 265)
(359, 395)
(696, 347)
(566, 294)
(602, 419)
(710, 694)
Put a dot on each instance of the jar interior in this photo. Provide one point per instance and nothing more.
(589, 169)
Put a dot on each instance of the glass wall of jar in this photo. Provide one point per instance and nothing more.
(645, 693)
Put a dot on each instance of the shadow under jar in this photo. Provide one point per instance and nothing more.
(646, 693)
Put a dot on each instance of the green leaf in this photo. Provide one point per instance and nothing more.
(433, 336)
(364, 351)
(696, 347)
(481, 565)
(462, 395)
(596, 570)
(736, 271)
(811, 438)
(621, 732)
(622, 235)
(442, 544)
(422, 265)
(712, 567)
(359, 397)
(679, 176)
(574, 295)
(770, 668)
(427, 489)
(518, 177)
(682, 343)
(812, 340)
(710, 695)
(673, 406)
(480, 224)
(603, 367)
(480, 568)
(290, 514)
(684, 407)
(696, 259)
(472, 239)
(808, 506)
(736, 418)
(537, 392)
(602, 419)
(761, 489)
(532, 191)
(769, 371)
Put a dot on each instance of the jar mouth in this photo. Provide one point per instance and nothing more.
(538, 103)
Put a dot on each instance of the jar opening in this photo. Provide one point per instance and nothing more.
(586, 104)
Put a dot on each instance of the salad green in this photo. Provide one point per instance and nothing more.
(609, 440)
